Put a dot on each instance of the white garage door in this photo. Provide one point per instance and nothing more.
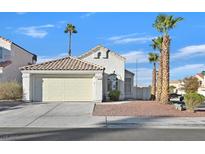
(67, 89)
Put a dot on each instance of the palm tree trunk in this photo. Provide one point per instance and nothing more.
(153, 91)
(69, 51)
(159, 78)
(165, 70)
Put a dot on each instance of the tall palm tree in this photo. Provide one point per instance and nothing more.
(163, 24)
(70, 29)
(153, 58)
(157, 45)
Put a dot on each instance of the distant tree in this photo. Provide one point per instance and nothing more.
(153, 58)
(70, 29)
(157, 45)
(191, 84)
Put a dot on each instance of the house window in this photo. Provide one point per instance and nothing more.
(1, 52)
(200, 83)
(107, 54)
(112, 82)
(98, 55)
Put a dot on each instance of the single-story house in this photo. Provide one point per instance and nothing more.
(89, 77)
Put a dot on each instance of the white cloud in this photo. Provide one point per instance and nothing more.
(142, 75)
(130, 38)
(114, 38)
(88, 14)
(35, 31)
(187, 70)
(42, 59)
(133, 56)
(193, 50)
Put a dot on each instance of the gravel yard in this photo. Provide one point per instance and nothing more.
(142, 109)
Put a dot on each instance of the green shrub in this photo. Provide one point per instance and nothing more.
(114, 95)
(10, 91)
(192, 100)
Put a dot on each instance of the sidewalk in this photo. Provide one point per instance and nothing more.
(155, 122)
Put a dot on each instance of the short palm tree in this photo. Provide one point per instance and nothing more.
(70, 29)
(163, 24)
(157, 45)
(153, 58)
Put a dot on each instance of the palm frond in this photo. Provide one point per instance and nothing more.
(164, 23)
(153, 57)
(70, 28)
(157, 43)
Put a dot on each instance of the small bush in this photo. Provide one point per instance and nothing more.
(192, 100)
(10, 91)
(114, 95)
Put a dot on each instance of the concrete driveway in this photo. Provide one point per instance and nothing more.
(79, 115)
(56, 114)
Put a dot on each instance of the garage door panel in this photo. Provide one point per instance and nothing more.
(53, 89)
(78, 89)
(67, 89)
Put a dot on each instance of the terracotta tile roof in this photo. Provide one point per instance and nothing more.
(201, 75)
(1, 37)
(5, 63)
(95, 49)
(66, 63)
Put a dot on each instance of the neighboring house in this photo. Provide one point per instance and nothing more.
(201, 79)
(12, 56)
(179, 86)
(87, 78)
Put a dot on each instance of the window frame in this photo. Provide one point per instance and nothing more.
(98, 55)
(112, 84)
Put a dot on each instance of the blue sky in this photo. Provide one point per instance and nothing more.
(128, 34)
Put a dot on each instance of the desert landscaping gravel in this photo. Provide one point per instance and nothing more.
(142, 109)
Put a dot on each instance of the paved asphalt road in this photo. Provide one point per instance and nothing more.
(101, 134)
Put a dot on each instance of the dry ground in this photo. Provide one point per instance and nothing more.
(142, 109)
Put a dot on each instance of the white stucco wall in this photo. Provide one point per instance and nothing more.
(114, 63)
(201, 79)
(18, 58)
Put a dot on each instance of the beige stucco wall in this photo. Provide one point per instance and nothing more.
(113, 64)
(18, 58)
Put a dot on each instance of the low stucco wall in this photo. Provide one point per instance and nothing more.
(141, 93)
